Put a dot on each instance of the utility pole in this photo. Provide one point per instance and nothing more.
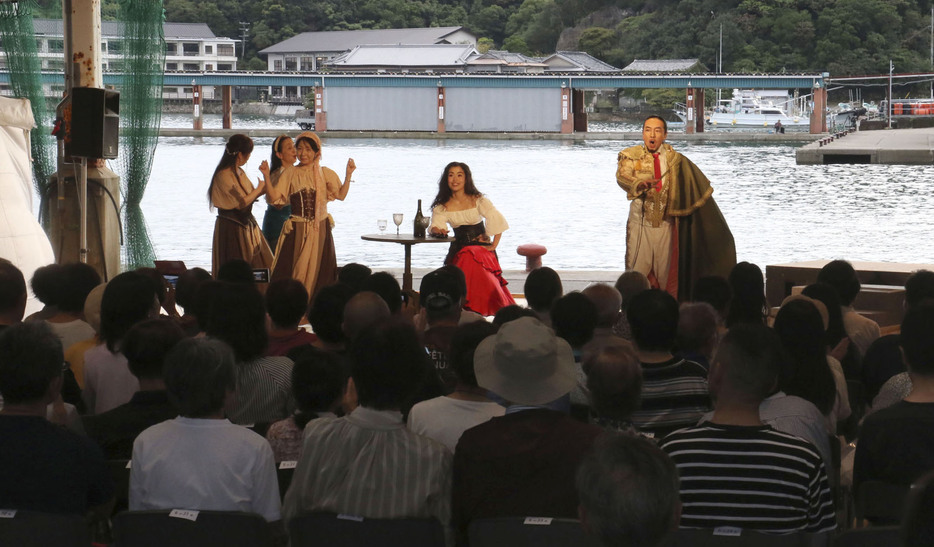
(891, 70)
(244, 33)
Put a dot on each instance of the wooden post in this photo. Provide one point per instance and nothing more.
(567, 119)
(321, 117)
(699, 103)
(819, 112)
(197, 121)
(440, 108)
(690, 124)
(227, 101)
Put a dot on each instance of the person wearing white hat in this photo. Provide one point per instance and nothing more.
(523, 463)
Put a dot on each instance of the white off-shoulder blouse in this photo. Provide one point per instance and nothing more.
(484, 211)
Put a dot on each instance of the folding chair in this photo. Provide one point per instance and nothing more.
(528, 532)
(35, 529)
(333, 530)
(188, 528)
(918, 524)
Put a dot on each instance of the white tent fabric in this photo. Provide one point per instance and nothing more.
(22, 240)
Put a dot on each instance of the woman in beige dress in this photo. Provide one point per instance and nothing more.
(236, 233)
(305, 250)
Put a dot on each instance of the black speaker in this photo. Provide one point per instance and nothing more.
(95, 123)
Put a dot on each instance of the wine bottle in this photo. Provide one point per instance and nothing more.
(419, 226)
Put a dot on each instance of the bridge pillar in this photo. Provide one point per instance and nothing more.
(227, 101)
(567, 119)
(699, 103)
(197, 121)
(819, 112)
(440, 109)
(690, 102)
(321, 117)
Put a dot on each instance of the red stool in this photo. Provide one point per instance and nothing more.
(533, 255)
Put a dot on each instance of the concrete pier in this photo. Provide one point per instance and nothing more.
(886, 146)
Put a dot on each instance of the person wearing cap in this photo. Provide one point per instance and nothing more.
(441, 300)
(523, 463)
(305, 250)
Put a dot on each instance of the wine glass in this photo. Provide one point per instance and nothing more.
(397, 218)
(381, 224)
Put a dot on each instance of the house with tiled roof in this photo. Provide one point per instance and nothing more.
(665, 65)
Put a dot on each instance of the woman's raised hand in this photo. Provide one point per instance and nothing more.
(261, 184)
(351, 167)
(264, 168)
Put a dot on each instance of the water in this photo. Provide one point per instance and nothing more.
(564, 195)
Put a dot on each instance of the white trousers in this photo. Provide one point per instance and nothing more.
(648, 249)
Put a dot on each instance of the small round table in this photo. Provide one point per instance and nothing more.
(407, 240)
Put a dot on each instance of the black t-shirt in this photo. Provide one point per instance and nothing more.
(896, 444)
(45, 467)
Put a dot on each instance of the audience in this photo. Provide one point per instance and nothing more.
(367, 463)
(200, 460)
(628, 492)
(524, 462)
(286, 302)
(614, 380)
(896, 444)
(800, 330)
(716, 291)
(186, 296)
(45, 284)
(12, 294)
(362, 310)
(883, 370)
(108, 383)
(840, 275)
(145, 347)
(326, 316)
(542, 288)
(628, 284)
(74, 355)
(387, 287)
(318, 382)
(607, 300)
(43, 467)
(698, 333)
(235, 271)
(264, 385)
(445, 418)
(76, 281)
(511, 313)
(441, 301)
(748, 303)
(734, 469)
(574, 318)
(353, 275)
(674, 390)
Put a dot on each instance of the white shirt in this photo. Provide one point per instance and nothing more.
(203, 464)
(108, 382)
(861, 330)
(445, 419)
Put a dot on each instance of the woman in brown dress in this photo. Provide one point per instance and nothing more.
(236, 233)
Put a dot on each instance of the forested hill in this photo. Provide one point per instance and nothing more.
(839, 36)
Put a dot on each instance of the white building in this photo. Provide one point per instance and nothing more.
(190, 47)
(309, 51)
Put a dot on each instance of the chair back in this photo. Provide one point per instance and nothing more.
(918, 524)
(35, 529)
(333, 530)
(120, 473)
(873, 536)
(737, 537)
(187, 528)
(528, 532)
(881, 502)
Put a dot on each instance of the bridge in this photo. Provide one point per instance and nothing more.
(351, 94)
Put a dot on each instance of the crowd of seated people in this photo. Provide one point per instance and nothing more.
(396, 405)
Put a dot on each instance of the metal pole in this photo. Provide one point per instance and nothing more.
(891, 70)
(932, 50)
(720, 62)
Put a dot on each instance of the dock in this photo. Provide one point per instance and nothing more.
(885, 146)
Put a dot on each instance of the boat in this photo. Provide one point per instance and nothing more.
(756, 108)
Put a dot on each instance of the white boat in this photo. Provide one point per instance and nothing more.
(750, 108)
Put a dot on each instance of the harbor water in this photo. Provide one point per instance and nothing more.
(564, 195)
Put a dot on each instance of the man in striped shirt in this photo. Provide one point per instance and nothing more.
(736, 471)
(674, 390)
(367, 463)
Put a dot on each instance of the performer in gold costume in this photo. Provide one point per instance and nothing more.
(675, 233)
